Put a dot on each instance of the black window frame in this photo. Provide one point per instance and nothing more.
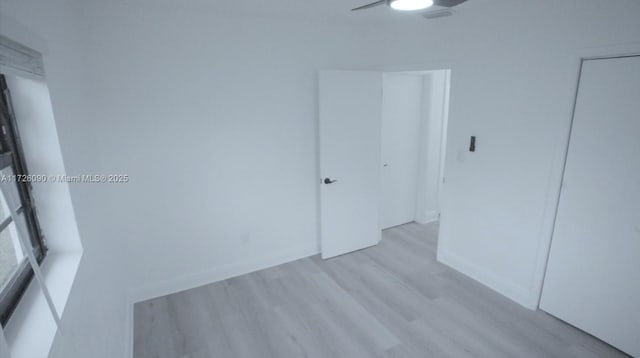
(11, 154)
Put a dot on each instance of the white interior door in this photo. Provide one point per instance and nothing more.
(350, 126)
(593, 275)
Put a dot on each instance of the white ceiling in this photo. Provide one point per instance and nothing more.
(338, 11)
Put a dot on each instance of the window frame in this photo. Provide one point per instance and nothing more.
(11, 154)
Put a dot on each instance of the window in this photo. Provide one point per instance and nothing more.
(19, 230)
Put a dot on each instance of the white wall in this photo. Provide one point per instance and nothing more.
(214, 120)
(401, 137)
(514, 71)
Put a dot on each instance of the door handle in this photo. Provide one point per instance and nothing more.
(329, 181)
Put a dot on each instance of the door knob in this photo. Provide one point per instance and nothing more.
(329, 181)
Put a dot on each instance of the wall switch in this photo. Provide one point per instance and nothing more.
(472, 144)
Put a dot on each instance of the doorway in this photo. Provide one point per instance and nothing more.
(355, 205)
(414, 123)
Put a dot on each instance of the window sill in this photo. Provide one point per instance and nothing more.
(32, 320)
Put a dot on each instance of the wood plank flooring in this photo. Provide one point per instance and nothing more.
(392, 300)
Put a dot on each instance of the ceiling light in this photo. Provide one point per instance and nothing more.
(409, 5)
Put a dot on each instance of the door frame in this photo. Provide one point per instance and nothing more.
(420, 68)
(556, 180)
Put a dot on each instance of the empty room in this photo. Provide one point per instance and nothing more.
(305, 178)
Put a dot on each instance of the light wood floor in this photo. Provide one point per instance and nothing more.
(393, 300)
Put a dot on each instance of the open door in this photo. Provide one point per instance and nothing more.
(350, 113)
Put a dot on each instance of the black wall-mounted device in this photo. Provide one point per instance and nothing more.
(472, 144)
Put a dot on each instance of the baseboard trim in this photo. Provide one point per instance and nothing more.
(428, 217)
(513, 292)
(128, 329)
(206, 277)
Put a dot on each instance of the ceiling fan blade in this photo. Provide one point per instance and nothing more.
(368, 6)
(448, 3)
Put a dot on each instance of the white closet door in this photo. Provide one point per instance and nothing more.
(593, 275)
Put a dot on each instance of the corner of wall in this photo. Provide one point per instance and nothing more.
(521, 295)
(128, 327)
(214, 274)
(427, 217)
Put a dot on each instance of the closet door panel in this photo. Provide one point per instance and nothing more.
(593, 274)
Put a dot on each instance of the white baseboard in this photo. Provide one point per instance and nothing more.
(520, 295)
(209, 276)
(128, 329)
(427, 217)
